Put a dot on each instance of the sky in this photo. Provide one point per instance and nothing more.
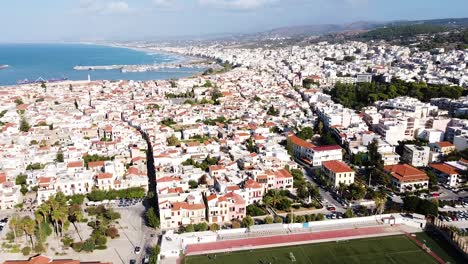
(91, 20)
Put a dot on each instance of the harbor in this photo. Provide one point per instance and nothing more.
(145, 67)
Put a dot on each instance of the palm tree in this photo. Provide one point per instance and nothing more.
(75, 214)
(14, 223)
(379, 204)
(273, 198)
(55, 217)
(44, 211)
(341, 188)
(63, 217)
(28, 226)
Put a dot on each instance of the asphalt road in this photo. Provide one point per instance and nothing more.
(326, 196)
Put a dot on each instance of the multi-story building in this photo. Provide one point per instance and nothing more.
(443, 147)
(224, 208)
(175, 214)
(312, 155)
(9, 193)
(450, 173)
(417, 156)
(460, 142)
(338, 172)
(406, 178)
(255, 191)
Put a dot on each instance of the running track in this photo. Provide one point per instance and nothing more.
(246, 243)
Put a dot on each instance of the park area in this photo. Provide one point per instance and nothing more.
(389, 249)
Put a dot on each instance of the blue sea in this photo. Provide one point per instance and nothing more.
(49, 61)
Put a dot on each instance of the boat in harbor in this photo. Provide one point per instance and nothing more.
(3, 66)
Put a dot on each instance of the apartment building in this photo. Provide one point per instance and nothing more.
(417, 156)
(407, 178)
(338, 172)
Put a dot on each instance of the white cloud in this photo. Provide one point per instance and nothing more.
(164, 3)
(104, 7)
(237, 4)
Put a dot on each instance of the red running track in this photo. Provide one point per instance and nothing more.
(283, 239)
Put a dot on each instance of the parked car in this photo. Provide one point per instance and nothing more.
(137, 250)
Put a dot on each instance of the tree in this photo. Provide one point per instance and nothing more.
(248, 221)
(193, 184)
(151, 218)
(28, 225)
(300, 219)
(76, 104)
(357, 191)
(75, 214)
(59, 157)
(208, 84)
(411, 203)
(112, 232)
(26, 251)
(255, 210)
(272, 111)
(306, 133)
(173, 141)
(19, 101)
(14, 224)
(290, 218)
(349, 213)
(320, 217)
(278, 220)
(88, 245)
(200, 227)
(214, 227)
(284, 204)
(235, 224)
(374, 156)
(154, 252)
(273, 198)
(190, 228)
(21, 179)
(24, 125)
(268, 220)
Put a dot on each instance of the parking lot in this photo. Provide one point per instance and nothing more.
(118, 203)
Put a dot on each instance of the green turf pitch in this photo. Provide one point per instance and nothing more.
(390, 249)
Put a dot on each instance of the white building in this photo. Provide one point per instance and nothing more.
(417, 156)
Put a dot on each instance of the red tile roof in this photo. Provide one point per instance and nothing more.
(336, 166)
(94, 164)
(75, 164)
(45, 260)
(102, 176)
(406, 173)
(251, 184)
(2, 178)
(327, 148)
(177, 206)
(445, 144)
(283, 174)
(444, 168)
(300, 142)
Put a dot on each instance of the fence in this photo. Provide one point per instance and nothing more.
(456, 240)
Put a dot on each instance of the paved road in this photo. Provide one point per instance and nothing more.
(327, 197)
(446, 194)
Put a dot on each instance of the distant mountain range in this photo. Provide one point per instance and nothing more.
(317, 30)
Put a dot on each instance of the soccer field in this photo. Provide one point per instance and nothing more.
(391, 249)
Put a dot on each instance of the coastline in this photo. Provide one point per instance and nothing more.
(173, 60)
(179, 58)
